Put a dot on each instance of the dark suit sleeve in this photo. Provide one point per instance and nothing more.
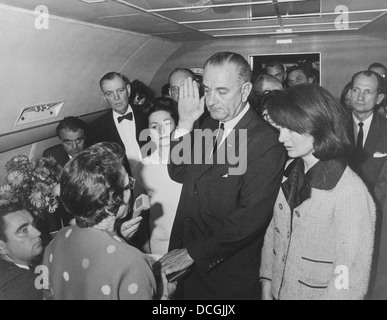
(180, 157)
(381, 187)
(253, 212)
(50, 152)
(21, 287)
(94, 133)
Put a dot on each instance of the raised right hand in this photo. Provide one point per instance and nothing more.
(190, 106)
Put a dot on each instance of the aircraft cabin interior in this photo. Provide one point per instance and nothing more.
(53, 53)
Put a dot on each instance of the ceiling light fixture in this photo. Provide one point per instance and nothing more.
(195, 6)
(306, 15)
(93, 1)
(275, 33)
(215, 6)
(277, 26)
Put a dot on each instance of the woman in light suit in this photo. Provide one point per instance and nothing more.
(319, 243)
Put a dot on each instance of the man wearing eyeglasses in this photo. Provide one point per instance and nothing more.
(262, 85)
(176, 79)
(72, 133)
(123, 123)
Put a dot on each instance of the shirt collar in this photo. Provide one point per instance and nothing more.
(367, 122)
(324, 175)
(228, 125)
(116, 114)
(22, 266)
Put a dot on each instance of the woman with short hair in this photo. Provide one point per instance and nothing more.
(320, 241)
(153, 179)
(89, 261)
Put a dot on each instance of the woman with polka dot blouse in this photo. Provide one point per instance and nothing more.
(89, 261)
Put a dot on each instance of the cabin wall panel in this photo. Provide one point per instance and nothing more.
(64, 62)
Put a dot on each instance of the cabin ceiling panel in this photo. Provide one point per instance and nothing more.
(187, 20)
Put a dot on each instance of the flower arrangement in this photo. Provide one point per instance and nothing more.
(33, 183)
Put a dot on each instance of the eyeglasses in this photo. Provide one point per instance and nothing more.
(130, 185)
(174, 89)
(109, 94)
(69, 142)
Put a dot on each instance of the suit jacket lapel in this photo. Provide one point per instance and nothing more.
(243, 124)
(112, 131)
(65, 156)
(373, 136)
(139, 119)
(207, 160)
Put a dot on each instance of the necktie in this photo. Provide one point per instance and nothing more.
(359, 142)
(219, 137)
(128, 116)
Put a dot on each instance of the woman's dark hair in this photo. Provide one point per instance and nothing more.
(91, 183)
(264, 99)
(347, 87)
(162, 104)
(141, 90)
(310, 109)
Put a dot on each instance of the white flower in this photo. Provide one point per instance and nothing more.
(56, 189)
(3, 202)
(52, 207)
(5, 189)
(36, 199)
(15, 178)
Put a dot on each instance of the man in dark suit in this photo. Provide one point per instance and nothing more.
(225, 205)
(369, 133)
(369, 136)
(123, 123)
(20, 246)
(72, 133)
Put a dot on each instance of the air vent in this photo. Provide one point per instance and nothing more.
(39, 112)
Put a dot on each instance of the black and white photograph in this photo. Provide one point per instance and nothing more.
(206, 152)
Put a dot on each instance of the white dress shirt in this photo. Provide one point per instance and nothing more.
(127, 131)
(228, 126)
(366, 127)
